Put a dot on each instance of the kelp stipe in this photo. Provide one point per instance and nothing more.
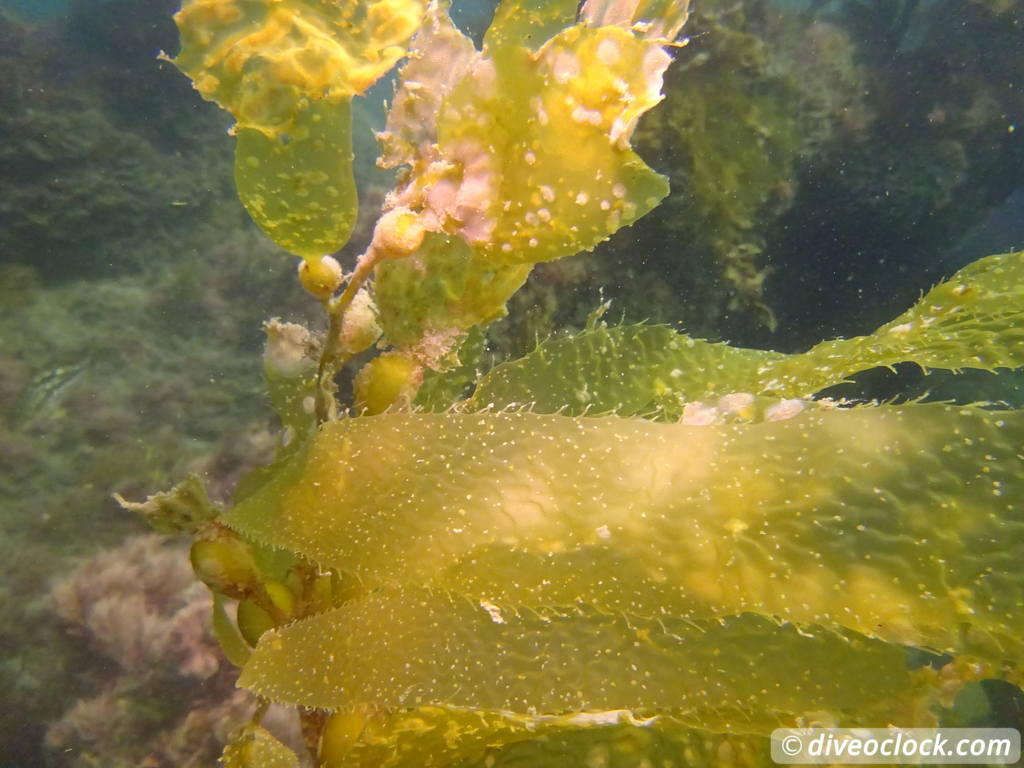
(628, 546)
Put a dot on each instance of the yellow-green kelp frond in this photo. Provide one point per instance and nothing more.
(632, 370)
(226, 633)
(445, 287)
(744, 674)
(529, 23)
(485, 133)
(973, 320)
(901, 523)
(508, 125)
(264, 60)
(256, 747)
(287, 70)
(184, 509)
(299, 187)
(657, 19)
(446, 736)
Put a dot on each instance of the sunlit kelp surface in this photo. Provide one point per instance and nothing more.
(721, 572)
(289, 70)
(654, 371)
(884, 521)
(407, 648)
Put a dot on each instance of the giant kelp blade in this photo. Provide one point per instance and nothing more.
(626, 370)
(660, 19)
(263, 60)
(902, 523)
(529, 23)
(287, 71)
(527, 110)
(299, 187)
(445, 287)
(485, 133)
(256, 747)
(445, 736)
(973, 320)
(746, 674)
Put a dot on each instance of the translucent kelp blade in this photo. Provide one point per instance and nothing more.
(287, 71)
(659, 19)
(529, 23)
(445, 287)
(440, 57)
(263, 60)
(440, 736)
(902, 523)
(522, 198)
(973, 320)
(746, 674)
(627, 370)
(492, 168)
(225, 631)
(299, 187)
(256, 747)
